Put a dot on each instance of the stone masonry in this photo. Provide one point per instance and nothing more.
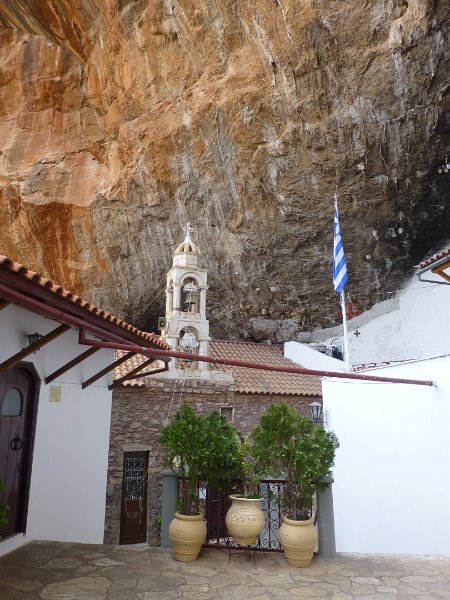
(56, 571)
(138, 413)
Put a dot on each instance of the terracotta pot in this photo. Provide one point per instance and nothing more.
(298, 538)
(245, 520)
(187, 534)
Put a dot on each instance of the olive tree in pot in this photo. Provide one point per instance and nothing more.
(205, 451)
(290, 445)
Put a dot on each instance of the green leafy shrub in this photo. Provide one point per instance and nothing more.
(249, 473)
(287, 444)
(221, 452)
(204, 449)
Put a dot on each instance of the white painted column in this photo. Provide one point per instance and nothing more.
(176, 296)
(173, 341)
(203, 301)
(204, 350)
(169, 301)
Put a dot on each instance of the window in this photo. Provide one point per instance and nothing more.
(228, 412)
(12, 403)
(134, 478)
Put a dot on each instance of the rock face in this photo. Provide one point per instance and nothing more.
(120, 120)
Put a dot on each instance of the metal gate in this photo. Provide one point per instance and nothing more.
(215, 504)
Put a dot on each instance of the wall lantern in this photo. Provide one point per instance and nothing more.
(315, 408)
(33, 338)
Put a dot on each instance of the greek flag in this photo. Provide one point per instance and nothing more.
(340, 276)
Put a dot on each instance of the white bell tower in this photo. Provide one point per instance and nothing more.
(186, 326)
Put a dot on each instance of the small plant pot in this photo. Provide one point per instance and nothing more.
(298, 538)
(245, 519)
(187, 534)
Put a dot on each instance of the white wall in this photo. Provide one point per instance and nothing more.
(69, 472)
(310, 358)
(400, 329)
(392, 483)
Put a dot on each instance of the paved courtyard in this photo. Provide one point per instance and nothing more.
(57, 571)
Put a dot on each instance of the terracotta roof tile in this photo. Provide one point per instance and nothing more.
(433, 259)
(6, 263)
(255, 381)
(133, 363)
(247, 381)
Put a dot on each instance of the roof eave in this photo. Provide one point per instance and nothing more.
(19, 282)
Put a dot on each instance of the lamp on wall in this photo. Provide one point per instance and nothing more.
(33, 338)
(315, 408)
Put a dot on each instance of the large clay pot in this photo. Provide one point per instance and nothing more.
(187, 534)
(298, 538)
(245, 520)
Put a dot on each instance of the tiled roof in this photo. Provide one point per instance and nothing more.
(255, 381)
(8, 264)
(132, 363)
(435, 258)
(247, 381)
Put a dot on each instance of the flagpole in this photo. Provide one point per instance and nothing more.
(344, 323)
(341, 279)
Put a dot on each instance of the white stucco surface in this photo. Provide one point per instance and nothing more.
(310, 358)
(392, 490)
(406, 327)
(69, 470)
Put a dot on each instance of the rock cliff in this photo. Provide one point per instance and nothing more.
(122, 119)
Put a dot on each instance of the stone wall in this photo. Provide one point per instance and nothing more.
(138, 413)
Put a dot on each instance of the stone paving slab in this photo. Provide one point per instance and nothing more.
(61, 571)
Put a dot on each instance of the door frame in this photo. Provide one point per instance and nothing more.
(34, 398)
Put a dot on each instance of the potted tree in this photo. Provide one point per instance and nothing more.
(245, 518)
(183, 442)
(204, 450)
(3, 511)
(290, 445)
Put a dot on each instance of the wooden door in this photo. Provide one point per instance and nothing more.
(18, 397)
(133, 522)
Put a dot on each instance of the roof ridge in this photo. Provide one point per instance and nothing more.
(273, 344)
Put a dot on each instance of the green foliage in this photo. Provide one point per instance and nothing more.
(183, 441)
(249, 472)
(221, 452)
(3, 510)
(205, 449)
(287, 444)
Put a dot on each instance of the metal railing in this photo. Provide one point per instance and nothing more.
(214, 504)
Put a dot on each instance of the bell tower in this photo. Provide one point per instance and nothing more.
(186, 326)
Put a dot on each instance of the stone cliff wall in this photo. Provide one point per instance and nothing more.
(120, 120)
